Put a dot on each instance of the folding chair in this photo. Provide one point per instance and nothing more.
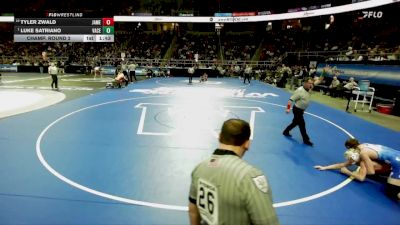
(365, 95)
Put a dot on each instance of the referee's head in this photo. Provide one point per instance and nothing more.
(235, 132)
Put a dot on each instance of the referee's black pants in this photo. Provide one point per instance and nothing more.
(348, 94)
(190, 78)
(246, 77)
(55, 80)
(298, 120)
(132, 74)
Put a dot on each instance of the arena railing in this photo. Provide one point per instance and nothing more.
(31, 59)
(141, 62)
(185, 63)
(387, 54)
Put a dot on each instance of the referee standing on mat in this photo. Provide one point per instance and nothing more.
(247, 73)
(53, 71)
(225, 189)
(301, 99)
(191, 72)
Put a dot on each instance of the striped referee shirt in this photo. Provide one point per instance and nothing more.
(53, 70)
(229, 191)
(301, 97)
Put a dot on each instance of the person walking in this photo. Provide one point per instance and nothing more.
(225, 189)
(301, 99)
(41, 67)
(191, 73)
(53, 71)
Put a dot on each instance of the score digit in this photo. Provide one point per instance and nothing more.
(108, 21)
(108, 30)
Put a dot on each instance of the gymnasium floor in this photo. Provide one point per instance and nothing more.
(124, 156)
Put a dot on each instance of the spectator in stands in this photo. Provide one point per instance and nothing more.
(333, 87)
(303, 73)
(351, 84)
(221, 70)
(237, 70)
(283, 80)
(312, 71)
(287, 69)
(61, 67)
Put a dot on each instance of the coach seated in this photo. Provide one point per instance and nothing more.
(348, 88)
(334, 87)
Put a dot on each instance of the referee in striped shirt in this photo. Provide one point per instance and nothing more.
(225, 189)
(53, 71)
(301, 99)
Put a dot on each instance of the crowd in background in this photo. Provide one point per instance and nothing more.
(265, 47)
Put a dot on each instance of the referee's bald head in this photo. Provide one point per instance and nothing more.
(235, 132)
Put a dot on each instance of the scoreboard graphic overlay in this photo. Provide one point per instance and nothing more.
(63, 27)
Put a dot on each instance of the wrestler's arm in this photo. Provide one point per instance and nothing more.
(333, 166)
(369, 164)
(359, 174)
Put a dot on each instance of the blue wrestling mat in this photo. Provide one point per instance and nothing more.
(124, 156)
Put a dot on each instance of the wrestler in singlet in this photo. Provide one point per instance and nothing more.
(385, 154)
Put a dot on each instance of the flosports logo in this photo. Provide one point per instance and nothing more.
(372, 14)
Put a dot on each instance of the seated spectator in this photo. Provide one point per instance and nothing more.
(283, 80)
(350, 85)
(333, 87)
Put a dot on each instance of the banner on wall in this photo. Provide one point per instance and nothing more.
(378, 74)
(143, 71)
(8, 68)
(108, 70)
